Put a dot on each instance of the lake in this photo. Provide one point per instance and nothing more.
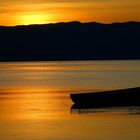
(35, 102)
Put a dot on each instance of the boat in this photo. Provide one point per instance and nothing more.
(119, 97)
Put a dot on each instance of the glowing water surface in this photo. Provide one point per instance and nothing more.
(35, 103)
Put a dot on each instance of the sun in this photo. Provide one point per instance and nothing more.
(34, 19)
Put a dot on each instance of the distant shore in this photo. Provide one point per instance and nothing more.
(69, 60)
(70, 41)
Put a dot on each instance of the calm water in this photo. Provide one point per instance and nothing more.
(35, 103)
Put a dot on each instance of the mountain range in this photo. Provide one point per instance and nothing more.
(70, 41)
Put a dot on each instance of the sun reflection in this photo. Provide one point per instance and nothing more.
(32, 104)
(34, 19)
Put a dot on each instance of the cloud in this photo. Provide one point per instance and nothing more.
(53, 6)
(56, 1)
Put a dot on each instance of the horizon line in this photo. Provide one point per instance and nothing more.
(131, 21)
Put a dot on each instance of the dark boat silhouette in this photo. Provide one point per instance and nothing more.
(121, 97)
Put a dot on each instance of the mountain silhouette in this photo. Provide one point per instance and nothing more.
(70, 41)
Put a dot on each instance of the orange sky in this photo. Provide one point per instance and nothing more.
(17, 12)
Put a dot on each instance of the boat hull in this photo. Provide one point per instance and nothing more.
(121, 97)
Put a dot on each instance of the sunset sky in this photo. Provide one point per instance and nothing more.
(17, 12)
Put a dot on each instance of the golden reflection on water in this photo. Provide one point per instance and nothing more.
(77, 65)
(35, 102)
(70, 76)
(31, 104)
(43, 115)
